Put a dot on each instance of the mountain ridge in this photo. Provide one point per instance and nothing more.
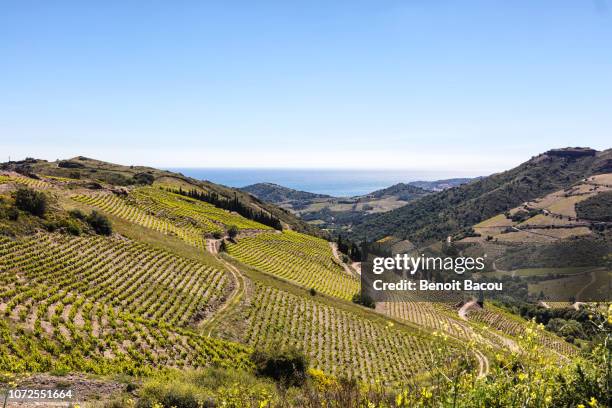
(435, 216)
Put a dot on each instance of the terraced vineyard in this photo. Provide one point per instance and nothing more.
(337, 341)
(170, 204)
(299, 258)
(26, 181)
(192, 234)
(106, 305)
(513, 326)
(426, 314)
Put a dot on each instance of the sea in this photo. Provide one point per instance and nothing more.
(333, 182)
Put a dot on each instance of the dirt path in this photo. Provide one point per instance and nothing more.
(467, 306)
(233, 299)
(212, 245)
(334, 248)
(483, 364)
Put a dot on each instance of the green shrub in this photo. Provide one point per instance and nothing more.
(364, 300)
(76, 213)
(100, 223)
(232, 231)
(144, 178)
(288, 366)
(31, 201)
(12, 213)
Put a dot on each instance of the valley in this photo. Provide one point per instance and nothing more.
(131, 272)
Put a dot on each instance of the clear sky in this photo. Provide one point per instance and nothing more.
(430, 84)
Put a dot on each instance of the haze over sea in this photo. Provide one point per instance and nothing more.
(334, 182)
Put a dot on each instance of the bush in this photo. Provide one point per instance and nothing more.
(288, 367)
(100, 223)
(70, 226)
(313, 292)
(12, 213)
(144, 178)
(364, 300)
(232, 231)
(31, 201)
(78, 214)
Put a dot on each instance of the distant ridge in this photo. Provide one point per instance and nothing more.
(439, 185)
(435, 216)
(274, 193)
(403, 191)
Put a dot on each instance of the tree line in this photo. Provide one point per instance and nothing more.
(233, 204)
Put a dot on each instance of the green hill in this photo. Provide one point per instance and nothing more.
(448, 212)
(274, 193)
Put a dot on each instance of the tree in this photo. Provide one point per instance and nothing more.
(34, 202)
(99, 223)
(232, 231)
(286, 366)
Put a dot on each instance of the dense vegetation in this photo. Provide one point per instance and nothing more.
(435, 216)
(596, 208)
(578, 251)
(273, 193)
(233, 205)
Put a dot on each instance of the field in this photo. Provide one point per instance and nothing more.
(338, 341)
(156, 295)
(104, 305)
(299, 258)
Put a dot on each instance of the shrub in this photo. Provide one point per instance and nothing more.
(232, 231)
(31, 201)
(313, 292)
(100, 223)
(364, 300)
(144, 178)
(12, 213)
(78, 214)
(288, 367)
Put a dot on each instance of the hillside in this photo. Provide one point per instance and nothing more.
(83, 168)
(402, 191)
(335, 213)
(134, 279)
(451, 211)
(439, 185)
(274, 193)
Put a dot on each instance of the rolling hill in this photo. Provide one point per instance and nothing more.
(452, 211)
(335, 213)
(116, 272)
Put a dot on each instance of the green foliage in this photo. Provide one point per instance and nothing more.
(285, 366)
(232, 231)
(364, 300)
(578, 251)
(435, 216)
(596, 208)
(100, 223)
(32, 201)
(144, 178)
(78, 214)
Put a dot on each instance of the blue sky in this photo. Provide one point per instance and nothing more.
(423, 84)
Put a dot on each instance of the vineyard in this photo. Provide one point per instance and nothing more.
(104, 305)
(111, 204)
(299, 258)
(337, 341)
(80, 302)
(24, 181)
(169, 204)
